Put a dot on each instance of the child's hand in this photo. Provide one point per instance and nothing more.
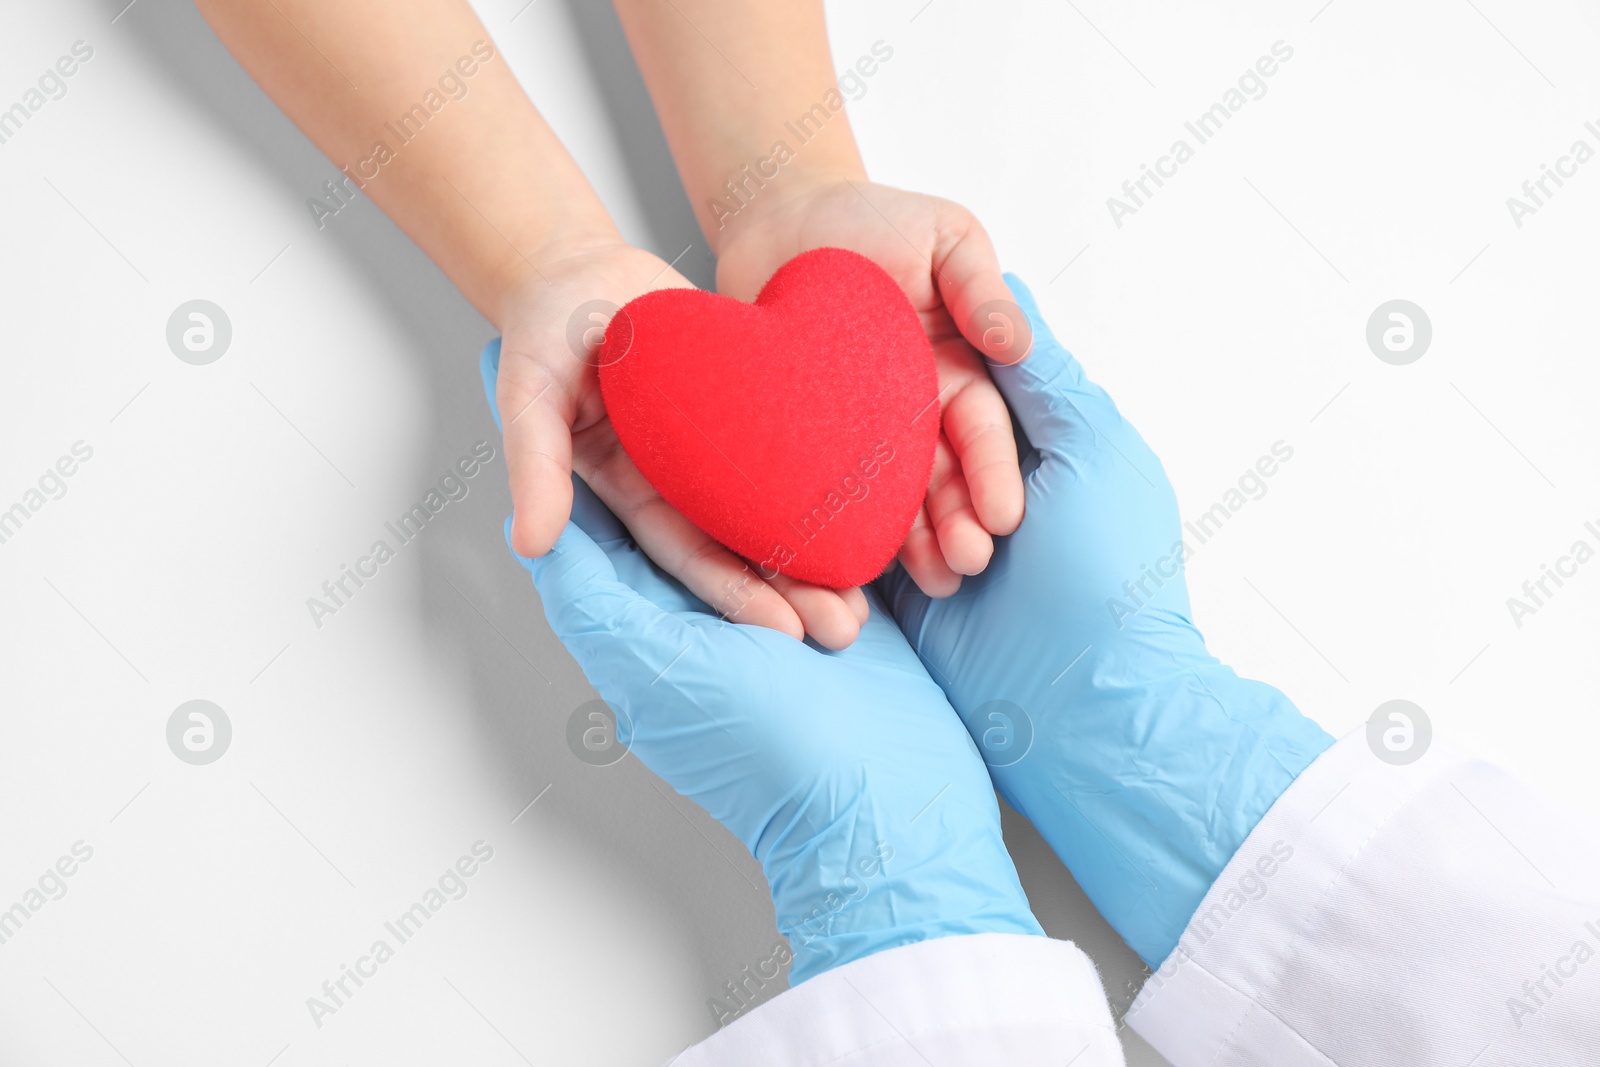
(944, 261)
(548, 395)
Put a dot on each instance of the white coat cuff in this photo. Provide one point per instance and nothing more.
(982, 998)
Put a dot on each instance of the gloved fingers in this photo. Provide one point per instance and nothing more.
(880, 634)
(906, 603)
(593, 612)
(624, 643)
(633, 568)
(594, 518)
(489, 369)
(1054, 401)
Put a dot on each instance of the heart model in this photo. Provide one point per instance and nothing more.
(798, 431)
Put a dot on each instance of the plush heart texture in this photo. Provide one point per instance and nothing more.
(799, 431)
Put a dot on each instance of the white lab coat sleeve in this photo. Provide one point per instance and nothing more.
(977, 999)
(1437, 914)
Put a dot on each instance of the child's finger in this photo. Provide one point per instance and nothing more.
(978, 426)
(538, 448)
(965, 545)
(537, 410)
(826, 616)
(856, 599)
(723, 581)
(924, 561)
(975, 293)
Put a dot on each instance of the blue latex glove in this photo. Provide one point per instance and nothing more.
(1141, 759)
(846, 774)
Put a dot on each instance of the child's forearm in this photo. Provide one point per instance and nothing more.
(729, 78)
(413, 102)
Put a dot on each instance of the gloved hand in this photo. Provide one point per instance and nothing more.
(1073, 661)
(846, 774)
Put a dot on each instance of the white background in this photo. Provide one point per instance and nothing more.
(1227, 314)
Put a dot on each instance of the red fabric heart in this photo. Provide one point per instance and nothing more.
(799, 430)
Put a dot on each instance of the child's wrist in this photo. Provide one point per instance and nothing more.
(523, 267)
(756, 193)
